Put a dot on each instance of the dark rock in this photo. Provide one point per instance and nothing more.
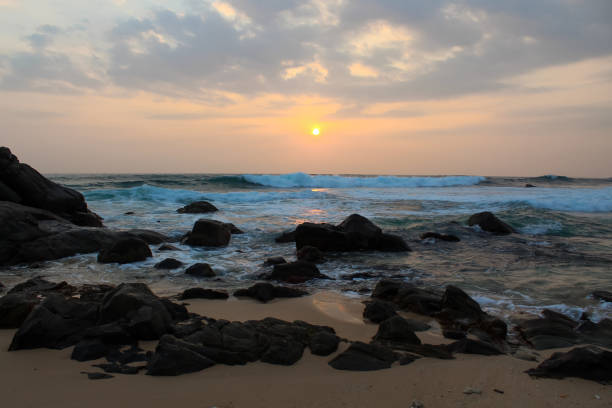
(470, 346)
(125, 251)
(440, 237)
(602, 295)
(355, 233)
(56, 323)
(396, 329)
(187, 328)
(209, 233)
(407, 359)
(146, 315)
(323, 343)
(456, 304)
(119, 369)
(199, 207)
(529, 185)
(439, 351)
(234, 229)
(93, 293)
(174, 357)
(129, 213)
(169, 263)
(110, 333)
(591, 363)
(87, 350)
(283, 352)
(364, 357)
(287, 236)
(362, 275)
(275, 260)
(296, 272)
(178, 312)
(454, 334)
(201, 293)
(553, 330)
(39, 286)
(20, 183)
(14, 308)
(596, 333)
(490, 223)
(379, 310)
(168, 247)
(200, 270)
(310, 254)
(408, 297)
(97, 376)
(131, 355)
(265, 292)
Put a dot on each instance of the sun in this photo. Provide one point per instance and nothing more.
(315, 132)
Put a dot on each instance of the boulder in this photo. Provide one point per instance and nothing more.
(265, 292)
(490, 223)
(15, 308)
(124, 251)
(275, 260)
(20, 183)
(602, 295)
(379, 310)
(200, 270)
(209, 233)
(310, 254)
(39, 286)
(201, 293)
(323, 343)
(284, 351)
(296, 272)
(169, 263)
(364, 357)
(174, 357)
(552, 330)
(355, 233)
(440, 237)
(90, 349)
(591, 363)
(470, 346)
(198, 207)
(286, 236)
(396, 329)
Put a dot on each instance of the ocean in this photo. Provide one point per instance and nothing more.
(562, 253)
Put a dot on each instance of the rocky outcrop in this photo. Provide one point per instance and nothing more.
(355, 233)
(124, 251)
(30, 235)
(20, 183)
(210, 233)
(198, 207)
(487, 221)
(591, 363)
(264, 292)
(378, 310)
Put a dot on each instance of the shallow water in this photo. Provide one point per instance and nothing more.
(563, 251)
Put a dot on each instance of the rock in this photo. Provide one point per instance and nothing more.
(591, 363)
(97, 376)
(14, 308)
(440, 351)
(526, 355)
(199, 207)
(408, 297)
(40, 287)
(296, 272)
(93, 293)
(470, 346)
(283, 352)
(201, 293)
(454, 334)
(378, 310)
(416, 404)
(310, 254)
(56, 323)
(110, 333)
(131, 355)
(124, 251)
(265, 292)
(187, 328)
(596, 333)
(234, 229)
(490, 223)
(396, 329)
(456, 304)
(323, 343)
(529, 185)
(286, 236)
(146, 315)
(470, 390)
(168, 247)
(364, 357)
(119, 369)
(174, 357)
(603, 295)
(20, 183)
(355, 233)
(169, 263)
(200, 270)
(440, 237)
(209, 233)
(275, 260)
(553, 330)
(87, 350)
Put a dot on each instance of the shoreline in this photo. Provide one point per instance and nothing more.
(56, 380)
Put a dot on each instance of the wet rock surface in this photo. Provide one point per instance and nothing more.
(200, 270)
(124, 251)
(198, 207)
(210, 233)
(440, 237)
(264, 292)
(169, 263)
(295, 272)
(591, 363)
(487, 221)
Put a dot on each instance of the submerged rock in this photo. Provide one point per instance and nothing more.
(603, 295)
(124, 251)
(265, 292)
(275, 260)
(286, 236)
(355, 233)
(200, 270)
(169, 263)
(168, 247)
(198, 207)
(591, 363)
(440, 237)
(296, 272)
(490, 223)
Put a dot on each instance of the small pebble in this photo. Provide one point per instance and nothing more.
(597, 396)
(498, 391)
(470, 390)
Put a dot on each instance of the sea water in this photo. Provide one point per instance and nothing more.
(563, 250)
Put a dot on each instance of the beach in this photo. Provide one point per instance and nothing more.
(35, 378)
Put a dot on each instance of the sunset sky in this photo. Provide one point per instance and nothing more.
(481, 87)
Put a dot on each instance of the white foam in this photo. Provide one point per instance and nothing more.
(541, 228)
(325, 181)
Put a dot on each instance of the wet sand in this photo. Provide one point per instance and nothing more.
(48, 378)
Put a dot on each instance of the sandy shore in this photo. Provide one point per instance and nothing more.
(48, 378)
